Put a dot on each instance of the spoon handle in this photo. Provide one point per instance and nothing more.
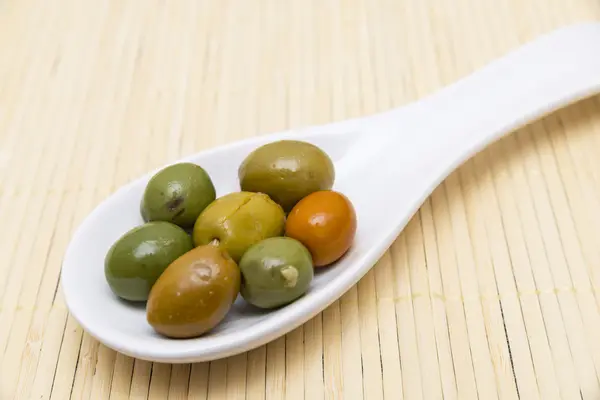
(404, 154)
(542, 76)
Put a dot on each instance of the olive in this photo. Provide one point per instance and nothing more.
(275, 272)
(194, 293)
(325, 222)
(136, 260)
(237, 221)
(177, 194)
(287, 171)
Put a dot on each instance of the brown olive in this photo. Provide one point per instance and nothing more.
(194, 293)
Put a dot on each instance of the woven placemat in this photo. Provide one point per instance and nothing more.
(490, 292)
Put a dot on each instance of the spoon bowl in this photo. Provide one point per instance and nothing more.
(387, 164)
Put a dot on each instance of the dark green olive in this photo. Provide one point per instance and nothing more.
(194, 293)
(287, 171)
(177, 194)
(275, 272)
(135, 261)
(237, 221)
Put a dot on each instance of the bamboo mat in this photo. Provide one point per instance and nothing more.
(490, 292)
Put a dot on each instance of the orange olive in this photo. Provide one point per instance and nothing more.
(325, 222)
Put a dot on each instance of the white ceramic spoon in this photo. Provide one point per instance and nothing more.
(387, 164)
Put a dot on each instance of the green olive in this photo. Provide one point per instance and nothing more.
(237, 221)
(194, 293)
(177, 194)
(287, 171)
(135, 261)
(275, 272)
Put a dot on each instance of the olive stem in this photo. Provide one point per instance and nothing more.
(290, 275)
(214, 242)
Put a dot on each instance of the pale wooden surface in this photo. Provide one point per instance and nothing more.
(491, 291)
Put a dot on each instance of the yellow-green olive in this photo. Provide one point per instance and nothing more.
(237, 221)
